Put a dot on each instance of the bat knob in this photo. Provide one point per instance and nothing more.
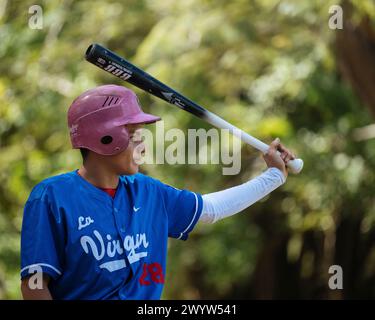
(295, 166)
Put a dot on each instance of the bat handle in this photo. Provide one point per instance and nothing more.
(295, 166)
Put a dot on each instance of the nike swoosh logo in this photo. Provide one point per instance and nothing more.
(136, 209)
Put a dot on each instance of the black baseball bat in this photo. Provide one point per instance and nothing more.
(125, 70)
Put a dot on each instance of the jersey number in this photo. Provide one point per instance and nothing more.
(155, 271)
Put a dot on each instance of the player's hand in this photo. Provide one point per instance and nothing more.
(274, 160)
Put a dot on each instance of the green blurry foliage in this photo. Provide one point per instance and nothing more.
(269, 67)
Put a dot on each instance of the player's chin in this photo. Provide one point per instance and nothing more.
(137, 160)
(134, 168)
(135, 163)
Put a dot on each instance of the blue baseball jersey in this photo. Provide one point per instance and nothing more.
(94, 246)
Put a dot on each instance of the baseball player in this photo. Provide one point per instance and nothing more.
(101, 232)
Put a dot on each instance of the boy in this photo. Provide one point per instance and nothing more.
(101, 232)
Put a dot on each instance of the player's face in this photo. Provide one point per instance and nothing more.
(126, 161)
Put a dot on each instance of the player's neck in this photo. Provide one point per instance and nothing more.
(99, 176)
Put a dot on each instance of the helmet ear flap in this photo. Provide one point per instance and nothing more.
(114, 141)
(105, 139)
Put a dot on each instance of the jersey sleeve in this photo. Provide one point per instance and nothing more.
(183, 209)
(42, 236)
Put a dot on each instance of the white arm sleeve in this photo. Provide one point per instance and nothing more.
(222, 204)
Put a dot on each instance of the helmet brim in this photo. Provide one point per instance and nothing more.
(139, 118)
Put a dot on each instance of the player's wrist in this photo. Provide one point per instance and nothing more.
(276, 171)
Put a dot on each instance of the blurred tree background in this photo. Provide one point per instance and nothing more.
(273, 68)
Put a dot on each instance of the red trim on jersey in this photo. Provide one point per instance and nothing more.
(109, 191)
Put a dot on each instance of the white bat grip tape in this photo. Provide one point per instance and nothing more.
(295, 166)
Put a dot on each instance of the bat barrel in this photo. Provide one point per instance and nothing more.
(125, 70)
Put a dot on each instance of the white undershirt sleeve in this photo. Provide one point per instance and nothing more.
(222, 204)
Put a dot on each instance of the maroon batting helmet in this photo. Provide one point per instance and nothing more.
(97, 119)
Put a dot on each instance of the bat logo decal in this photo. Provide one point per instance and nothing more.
(176, 101)
(101, 61)
(73, 129)
(119, 71)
